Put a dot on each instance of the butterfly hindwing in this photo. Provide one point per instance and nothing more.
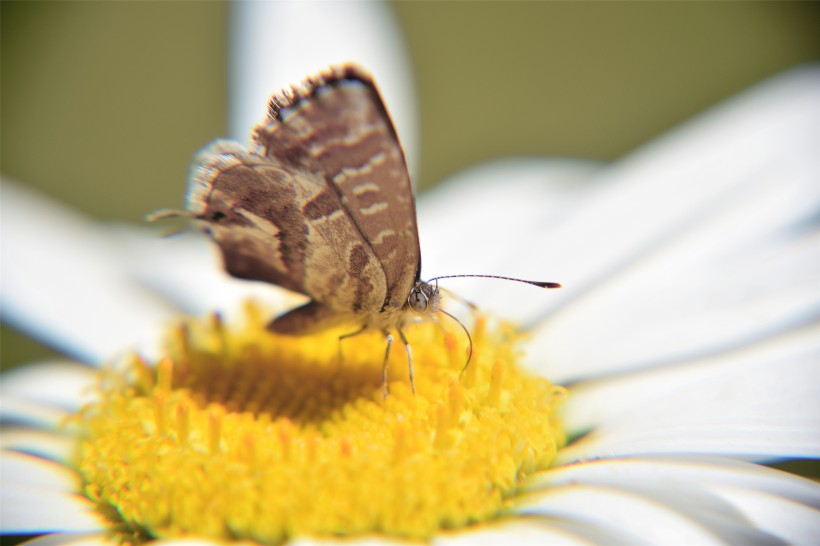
(284, 226)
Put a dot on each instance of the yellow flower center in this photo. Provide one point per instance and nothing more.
(243, 434)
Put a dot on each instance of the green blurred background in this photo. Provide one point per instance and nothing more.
(104, 103)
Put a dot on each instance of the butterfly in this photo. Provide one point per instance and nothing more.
(321, 203)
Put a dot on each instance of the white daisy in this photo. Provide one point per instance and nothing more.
(687, 334)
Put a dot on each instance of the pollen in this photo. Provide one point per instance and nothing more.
(240, 434)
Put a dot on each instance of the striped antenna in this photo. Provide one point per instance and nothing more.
(539, 284)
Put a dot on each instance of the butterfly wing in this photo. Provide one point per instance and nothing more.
(337, 127)
(282, 225)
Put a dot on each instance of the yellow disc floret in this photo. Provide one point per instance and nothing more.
(242, 434)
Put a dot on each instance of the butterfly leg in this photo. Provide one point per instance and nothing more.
(409, 358)
(345, 336)
(389, 337)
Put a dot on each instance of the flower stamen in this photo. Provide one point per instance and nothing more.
(244, 434)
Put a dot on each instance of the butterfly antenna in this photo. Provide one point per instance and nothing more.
(469, 338)
(540, 284)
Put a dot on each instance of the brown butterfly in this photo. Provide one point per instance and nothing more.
(321, 204)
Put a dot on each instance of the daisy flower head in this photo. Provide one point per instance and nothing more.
(685, 364)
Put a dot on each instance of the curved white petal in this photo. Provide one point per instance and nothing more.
(703, 240)
(40, 496)
(688, 471)
(535, 531)
(792, 521)
(49, 445)
(277, 44)
(679, 497)
(32, 414)
(653, 520)
(61, 282)
(44, 395)
(759, 401)
(186, 270)
(72, 539)
(61, 384)
(485, 218)
(357, 541)
(194, 542)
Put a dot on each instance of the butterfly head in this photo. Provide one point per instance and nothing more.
(424, 298)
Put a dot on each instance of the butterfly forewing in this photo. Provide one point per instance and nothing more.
(338, 127)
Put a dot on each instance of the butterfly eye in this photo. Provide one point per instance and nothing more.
(417, 300)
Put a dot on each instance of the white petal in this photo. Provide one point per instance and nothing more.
(59, 448)
(526, 531)
(29, 470)
(665, 497)
(61, 283)
(44, 395)
(71, 539)
(536, 529)
(684, 471)
(668, 187)
(474, 224)
(186, 269)
(193, 542)
(276, 44)
(32, 414)
(701, 241)
(40, 496)
(351, 541)
(761, 401)
(716, 308)
(61, 384)
(646, 519)
(795, 523)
